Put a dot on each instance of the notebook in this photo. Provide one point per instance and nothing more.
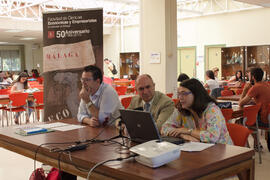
(142, 127)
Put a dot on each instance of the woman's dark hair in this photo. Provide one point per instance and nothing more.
(201, 96)
(25, 84)
(96, 72)
(35, 73)
(210, 74)
(241, 77)
(182, 77)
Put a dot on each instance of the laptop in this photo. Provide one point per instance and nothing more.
(142, 127)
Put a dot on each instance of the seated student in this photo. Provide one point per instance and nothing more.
(259, 91)
(182, 77)
(236, 77)
(35, 73)
(8, 78)
(99, 101)
(160, 105)
(197, 118)
(210, 83)
(20, 84)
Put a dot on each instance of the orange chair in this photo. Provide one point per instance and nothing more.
(126, 101)
(238, 133)
(239, 91)
(227, 113)
(250, 121)
(121, 90)
(38, 103)
(170, 95)
(17, 100)
(226, 93)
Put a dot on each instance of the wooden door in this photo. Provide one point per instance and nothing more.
(214, 59)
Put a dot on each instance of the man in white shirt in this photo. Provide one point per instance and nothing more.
(210, 83)
(99, 101)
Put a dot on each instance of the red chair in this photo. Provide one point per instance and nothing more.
(238, 133)
(121, 90)
(250, 121)
(226, 93)
(225, 87)
(17, 100)
(132, 83)
(170, 95)
(239, 91)
(227, 113)
(126, 101)
(40, 80)
(208, 91)
(176, 101)
(38, 103)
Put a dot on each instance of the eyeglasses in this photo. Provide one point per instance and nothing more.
(183, 94)
(86, 79)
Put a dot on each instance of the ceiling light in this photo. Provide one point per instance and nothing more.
(14, 30)
(3, 42)
(28, 38)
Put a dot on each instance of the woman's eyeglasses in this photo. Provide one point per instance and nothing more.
(183, 94)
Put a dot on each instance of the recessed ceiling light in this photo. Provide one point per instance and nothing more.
(28, 38)
(3, 42)
(14, 30)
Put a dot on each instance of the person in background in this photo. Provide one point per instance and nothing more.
(35, 73)
(160, 105)
(8, 77)
(259, 91)
(182, 77)
(210, 83)
(215, 71)
(20, 84)
(26, 72)
(110, 67)
(197, 117)
(237, 77)
(99, 101)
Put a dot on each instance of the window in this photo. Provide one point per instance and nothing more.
(10, 60)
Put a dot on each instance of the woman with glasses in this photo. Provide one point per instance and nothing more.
(197, 117)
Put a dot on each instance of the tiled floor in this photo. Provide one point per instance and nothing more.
(17, 167)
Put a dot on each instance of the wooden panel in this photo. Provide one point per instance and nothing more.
(130, 64)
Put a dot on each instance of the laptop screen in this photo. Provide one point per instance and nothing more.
(140, 125)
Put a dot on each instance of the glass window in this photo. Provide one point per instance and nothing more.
(10, 60)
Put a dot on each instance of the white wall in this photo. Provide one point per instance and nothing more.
(33, 56)
(233, 29)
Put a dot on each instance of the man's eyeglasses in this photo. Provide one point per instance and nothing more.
(183, 94)
(86, 79)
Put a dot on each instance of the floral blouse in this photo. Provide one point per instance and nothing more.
(212, 127)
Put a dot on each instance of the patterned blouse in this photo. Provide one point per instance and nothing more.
(212, 127)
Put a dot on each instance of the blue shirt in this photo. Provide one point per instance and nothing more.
(106, 100)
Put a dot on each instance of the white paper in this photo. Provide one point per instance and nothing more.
(154, 58)
(68, 128)
(195, 146)
(52, 125)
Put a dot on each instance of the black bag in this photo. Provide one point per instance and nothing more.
(114, 71)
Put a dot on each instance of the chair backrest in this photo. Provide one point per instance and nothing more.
(250, 113)
(18, 99)
(176, 101)
(132, 83)
(226, 93)
(126, 101)
(121, 90)
(238, 133)
(227, 113)
(4, 91)
(38, 97)
(170, 95)
(239, 91)
(216, 92)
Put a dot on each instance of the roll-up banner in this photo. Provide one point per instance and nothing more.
(72, 40)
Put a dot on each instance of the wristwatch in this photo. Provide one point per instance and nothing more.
(190, 131)
(89, 104)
